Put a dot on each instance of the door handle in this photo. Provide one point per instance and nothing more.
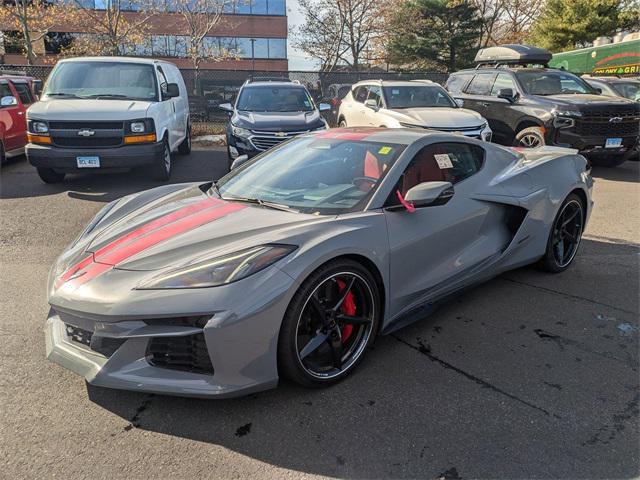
(485, 104)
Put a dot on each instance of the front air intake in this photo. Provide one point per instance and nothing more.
(187, 353)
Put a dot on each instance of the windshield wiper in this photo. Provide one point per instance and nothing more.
(108, 95)
(262, 203)
(61, 94)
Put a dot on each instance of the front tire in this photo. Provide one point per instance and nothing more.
(162, 166)
(342, 123)
(531, 137)
(49, 175)
(564, 238)
(330, 323)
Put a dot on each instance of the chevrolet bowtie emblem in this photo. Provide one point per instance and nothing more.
(86, 133)
(281, 134)
(615, 119)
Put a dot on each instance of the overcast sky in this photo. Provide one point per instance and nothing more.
(297, 59)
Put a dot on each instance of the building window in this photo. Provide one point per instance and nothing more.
(13, 41)
(277, 48)
(56, 42)
(276, 7)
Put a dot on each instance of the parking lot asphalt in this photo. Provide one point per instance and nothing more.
(529, 376)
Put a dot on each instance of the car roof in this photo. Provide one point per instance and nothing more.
(138, 60)
(23, 78)
(396, 83)
(514, 69)
(273, 84)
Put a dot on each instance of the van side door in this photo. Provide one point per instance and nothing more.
(181, 103)
(166, 118)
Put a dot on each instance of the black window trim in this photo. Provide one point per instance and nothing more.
(481, 72)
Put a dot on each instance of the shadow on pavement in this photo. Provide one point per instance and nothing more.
(543, 385)
(18, 179)
(627, 172)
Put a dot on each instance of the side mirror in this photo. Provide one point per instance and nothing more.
(372, 104)
(429, 194)
(459, 102)
(239, 161)
(599, 90)
(323, 107)
(8, 101)
(227, 107)
(506, 93)
(172, 91)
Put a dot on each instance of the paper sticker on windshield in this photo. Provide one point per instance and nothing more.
(443, 161)
(384, 150)
(395, 92)
(307, 104)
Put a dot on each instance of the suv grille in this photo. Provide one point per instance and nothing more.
(99, 134)
(187, 353)
(265, 140)
(596, 122)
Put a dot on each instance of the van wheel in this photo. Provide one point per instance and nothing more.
(531, 137)
(49, 175)
(185, 146)
(343, 123)
(162, 167)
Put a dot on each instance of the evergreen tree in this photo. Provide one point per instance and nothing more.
(439, 33)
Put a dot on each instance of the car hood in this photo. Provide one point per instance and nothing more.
(278, 121)
(584, 100)
(89, 109)
(177, 227)
(439, 117)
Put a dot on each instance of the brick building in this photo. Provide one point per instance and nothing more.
(258, 26)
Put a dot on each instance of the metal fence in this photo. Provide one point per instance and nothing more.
(210, 88)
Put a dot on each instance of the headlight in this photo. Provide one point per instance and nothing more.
(563, 118)
(567, 113)
(221, 270)
(137, 127)
(38, 127)
(240, 132)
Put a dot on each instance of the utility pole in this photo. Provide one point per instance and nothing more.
(253, 55)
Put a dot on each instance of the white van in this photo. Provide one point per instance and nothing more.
(107, 114)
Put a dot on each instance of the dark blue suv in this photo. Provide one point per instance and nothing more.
(268, 112)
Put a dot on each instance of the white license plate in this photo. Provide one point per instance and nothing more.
(613, 143)
(88, 162)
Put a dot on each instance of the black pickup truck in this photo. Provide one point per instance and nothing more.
(530, 105)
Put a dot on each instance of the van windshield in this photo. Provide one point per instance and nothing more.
(103, 80)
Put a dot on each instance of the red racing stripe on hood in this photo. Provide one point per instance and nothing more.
(147, 227)
(145, 237)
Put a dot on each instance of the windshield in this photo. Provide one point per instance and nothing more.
(129, 81)
(628, 90)
(553, 83)
(417, 96)
(324, 176)
(275, 99)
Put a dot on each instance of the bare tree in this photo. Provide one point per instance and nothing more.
(33, 19)
(113, 30)
(339, 31)
(200, 18)
(492, 13)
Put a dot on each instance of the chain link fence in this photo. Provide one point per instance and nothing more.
(210, 88)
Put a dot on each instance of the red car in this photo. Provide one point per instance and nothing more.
(16, 95)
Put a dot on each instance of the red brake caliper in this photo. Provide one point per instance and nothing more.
(348, 308)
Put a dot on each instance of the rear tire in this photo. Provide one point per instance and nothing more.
(530, 137)
(567, 229)
(185, 146)
(298, 326)
(342, 123)
(162, 165)
(49, 175)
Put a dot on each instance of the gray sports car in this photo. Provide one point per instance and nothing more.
(295, 261)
